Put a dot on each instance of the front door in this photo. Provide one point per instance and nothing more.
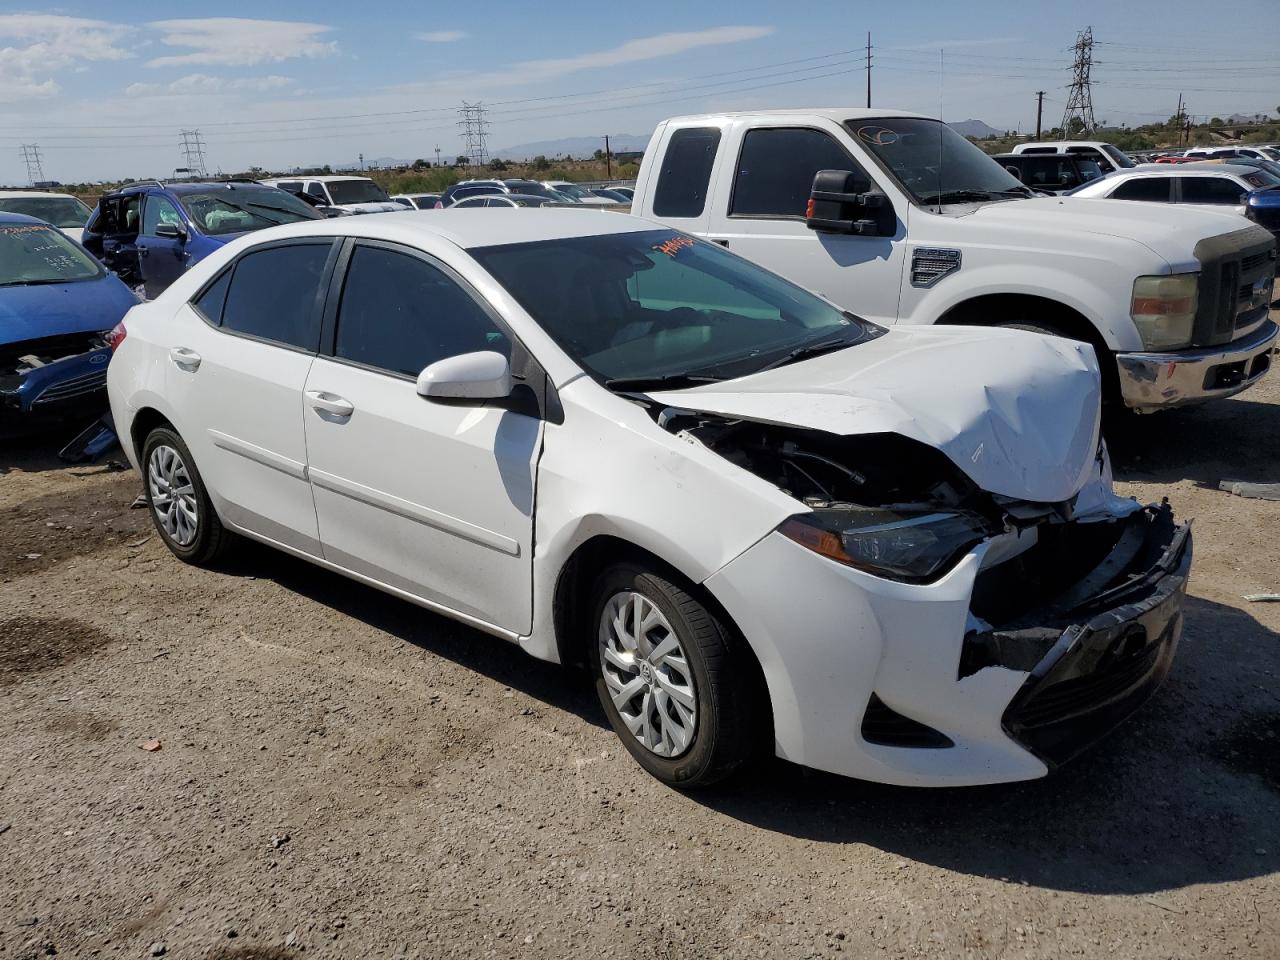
(433, 499)
(161, 260)
(237, 366)
(759, 213)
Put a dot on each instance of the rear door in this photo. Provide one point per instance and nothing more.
(434, 499)
(758, 211)
(161, 260)
(1223, 193)
(237, 366)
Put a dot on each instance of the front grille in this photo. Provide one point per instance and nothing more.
(74, 387)
(49, 349)
(1253, 262)
(1069, 698)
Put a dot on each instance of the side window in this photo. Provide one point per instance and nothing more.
(1034, 150)
(213, 297)
(316, 189)
(1211, 190)
(158, 210)
(776, 169)
(686, 172)
(399, 313)
(1151, 189)
(293, 186)
(275, 294)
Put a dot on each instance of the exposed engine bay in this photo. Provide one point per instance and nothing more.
(19, 359)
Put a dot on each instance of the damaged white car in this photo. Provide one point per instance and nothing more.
(762, 521)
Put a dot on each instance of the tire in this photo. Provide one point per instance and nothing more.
(709, 667)
(166, 463)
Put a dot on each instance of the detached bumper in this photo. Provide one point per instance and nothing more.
(1152, 381)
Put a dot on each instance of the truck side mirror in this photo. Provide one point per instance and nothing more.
(842, 201)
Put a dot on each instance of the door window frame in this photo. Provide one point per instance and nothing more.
(1244, 191)
(855, 167)
(158, 198)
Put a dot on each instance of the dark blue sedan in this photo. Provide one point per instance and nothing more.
(58, 306)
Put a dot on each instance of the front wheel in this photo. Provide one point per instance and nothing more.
(180, 507)
(678, 688)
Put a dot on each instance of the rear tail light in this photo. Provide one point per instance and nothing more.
(116, 336)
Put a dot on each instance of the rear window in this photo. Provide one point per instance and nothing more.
(686, 172)
(275, 294)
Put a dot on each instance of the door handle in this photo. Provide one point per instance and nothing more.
(328, 403)
(184, 359)
(142, 251)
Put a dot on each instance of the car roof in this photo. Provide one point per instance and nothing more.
(326, 178)
(838, 114)
(468, 231)
(22, 218)
(23, 194)
(200, 186)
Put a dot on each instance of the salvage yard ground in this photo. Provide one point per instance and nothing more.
(344, 775)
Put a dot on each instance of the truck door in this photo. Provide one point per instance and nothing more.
(161, 259)
(758, 211)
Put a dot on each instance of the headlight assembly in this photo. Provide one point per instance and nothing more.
(1164, 310)
(898, 544)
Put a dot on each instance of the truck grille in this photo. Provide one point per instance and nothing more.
(1231, 265)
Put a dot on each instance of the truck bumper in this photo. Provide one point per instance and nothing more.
(1153, 381)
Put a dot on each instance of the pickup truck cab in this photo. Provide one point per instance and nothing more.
(898, 218)
(1108, 155)
(1053, 174)
(354, 194)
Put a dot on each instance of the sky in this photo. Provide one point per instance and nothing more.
(105, 89)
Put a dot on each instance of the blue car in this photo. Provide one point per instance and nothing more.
(1263, 208)
(58, 306)
(151, 233)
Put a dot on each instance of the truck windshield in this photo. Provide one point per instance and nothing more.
(235, 211)
(356, 191)
(1122, 160)
(34, 253)
(934, 163)
(637, 309)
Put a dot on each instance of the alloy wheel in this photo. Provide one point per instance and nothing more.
(647, 674)
(173, 496)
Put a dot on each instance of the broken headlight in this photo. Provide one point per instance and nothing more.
(896, 543)
(1164, 310)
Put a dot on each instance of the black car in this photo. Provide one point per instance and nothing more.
(1052, 172)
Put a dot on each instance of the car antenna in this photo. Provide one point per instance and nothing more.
(941, 88)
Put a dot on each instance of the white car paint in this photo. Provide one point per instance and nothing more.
(318, 187)
(1063, 251)
(74, 232)
(1234, 174)
(1108, 155)
(476, 512)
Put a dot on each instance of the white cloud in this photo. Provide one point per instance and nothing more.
(633, 51)
(442, 36)
(34, 47)
(238, 42)
(198, 84)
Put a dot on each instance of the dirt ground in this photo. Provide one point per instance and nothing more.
(345, 775)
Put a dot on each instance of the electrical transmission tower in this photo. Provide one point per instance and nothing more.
(1080, 100)
(193, 151)
(475, 133)
(30, 153)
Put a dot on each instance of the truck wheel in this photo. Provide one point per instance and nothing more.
(672, 680)
(180, 507)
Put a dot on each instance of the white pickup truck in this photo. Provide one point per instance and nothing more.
(899, 219)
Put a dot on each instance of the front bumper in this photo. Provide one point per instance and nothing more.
(1153, 381)
(66, 389)
(875, 679)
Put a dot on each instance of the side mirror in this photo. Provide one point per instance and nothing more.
(842, 201)
(172, 231)
(483, 375)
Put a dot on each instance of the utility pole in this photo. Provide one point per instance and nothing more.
(868, 68)
(437, 154)
(1080, 100)
(1179, 119)
(608, 159)
(193, 152)
(361, 162)
(1039, 110)
(475, 133)
(30, 153)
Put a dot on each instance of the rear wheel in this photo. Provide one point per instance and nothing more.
(677, 686)
(180, 507)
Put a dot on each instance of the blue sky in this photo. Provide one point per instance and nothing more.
(105, 89)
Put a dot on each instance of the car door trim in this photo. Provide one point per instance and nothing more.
(251, 451)
(415, 512)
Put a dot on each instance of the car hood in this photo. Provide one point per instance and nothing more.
(49, 310)
(1171, 231)
(373, 206)
(1016, 411)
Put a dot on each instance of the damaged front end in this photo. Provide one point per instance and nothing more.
(1081, 599)
(52, 378)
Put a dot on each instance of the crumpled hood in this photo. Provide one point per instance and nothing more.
(373, 206)
(1169, 230)
(49, 310)
(1016, 411)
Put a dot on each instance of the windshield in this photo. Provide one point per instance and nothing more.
(658, 304)
(1262, 178)
(529, 188)
(60, 211)
(933, 162)
(235, 211)
(34, 253)
(356, 191)
(571, 191)
(1120, 158)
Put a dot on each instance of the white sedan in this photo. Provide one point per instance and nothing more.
(1212, 185)
(762, 521)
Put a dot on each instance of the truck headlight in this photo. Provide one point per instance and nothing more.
(898, 543)
(1164, 310)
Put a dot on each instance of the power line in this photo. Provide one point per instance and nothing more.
(1080, 100)
(30, 153)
